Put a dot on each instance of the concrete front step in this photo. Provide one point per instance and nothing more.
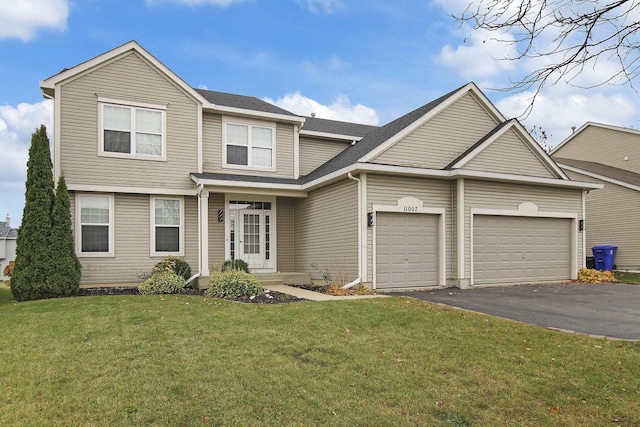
(286, 278)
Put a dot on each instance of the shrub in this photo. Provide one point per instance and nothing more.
(8, 270)
(235, 264)
(64, 277)
(590, 275)
(232, 284)
(34, 257)
(175, 264)
(162, 282)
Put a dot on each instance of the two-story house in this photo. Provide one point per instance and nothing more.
(609, 155)
(450, 194)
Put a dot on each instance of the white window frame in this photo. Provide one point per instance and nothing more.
(152, 224)
(133, 106)
(78, 226)
(250, 124)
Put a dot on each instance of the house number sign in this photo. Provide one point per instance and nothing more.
(410, 208)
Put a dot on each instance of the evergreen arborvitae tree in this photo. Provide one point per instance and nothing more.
(33, 257)
(64, 278)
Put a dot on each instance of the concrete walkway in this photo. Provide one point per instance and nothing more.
(315, 296)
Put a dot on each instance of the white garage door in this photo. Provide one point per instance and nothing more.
(519, 249)
(406, 250)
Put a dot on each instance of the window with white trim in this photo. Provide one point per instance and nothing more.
(95, 215)
(132, 131)
(249, 146)
(167, 226)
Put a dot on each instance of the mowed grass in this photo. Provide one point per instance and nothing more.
(193, 361)
(627, 277)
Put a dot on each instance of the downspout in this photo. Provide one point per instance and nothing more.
(359, 279)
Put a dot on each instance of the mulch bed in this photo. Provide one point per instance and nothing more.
(270, 297)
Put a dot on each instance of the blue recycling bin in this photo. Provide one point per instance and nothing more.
(604, 256)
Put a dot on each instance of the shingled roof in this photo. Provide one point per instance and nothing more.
(241, 101)
(6, 232)
(315, 124)
(603, 170)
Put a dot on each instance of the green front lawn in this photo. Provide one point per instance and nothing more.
(150, 360)
(627, 277)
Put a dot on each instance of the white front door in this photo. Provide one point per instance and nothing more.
(251, 236)
(251, 233)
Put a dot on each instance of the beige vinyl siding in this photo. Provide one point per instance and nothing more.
(211, 142)
(326, 231)
(443, 138)
(216, 232)
(212, 146)
(387, 190)
(507, 196)
(612, 219)
(132, 241)
(127, 78)
(509, 154)
(314, 152)
(285, 234)
(606, 146)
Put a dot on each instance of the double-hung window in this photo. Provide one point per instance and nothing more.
(167, 226)
(132, 131)
(95, 214)
(249, 146)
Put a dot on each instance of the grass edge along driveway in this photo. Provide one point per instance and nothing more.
(151, 360)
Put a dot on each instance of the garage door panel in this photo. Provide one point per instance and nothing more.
(520, 249)
(406, 250)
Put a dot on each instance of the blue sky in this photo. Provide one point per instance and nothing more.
(366, 61)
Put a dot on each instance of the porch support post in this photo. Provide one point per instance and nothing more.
(204, 233)
(364, 229)
(463, 283)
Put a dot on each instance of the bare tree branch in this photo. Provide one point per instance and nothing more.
(565, 36)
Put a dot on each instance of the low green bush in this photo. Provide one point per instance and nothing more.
(162, 282)
(235, 264)
(232, 284)
(175, 264)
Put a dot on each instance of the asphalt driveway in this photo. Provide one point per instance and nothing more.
(606, 310)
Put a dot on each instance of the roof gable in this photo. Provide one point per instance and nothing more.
(216, 101)
(48, 85)
(374, 139)
(406, 125)
(508, 148)
(610, 145)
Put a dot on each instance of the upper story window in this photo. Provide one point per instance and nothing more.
(249, 146)
(132, 131)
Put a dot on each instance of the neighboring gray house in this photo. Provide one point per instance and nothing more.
(8, 238)
(609, 155)
(450, 194)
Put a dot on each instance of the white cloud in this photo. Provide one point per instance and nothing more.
(16, 126)
(557, 109)
(23, 18)
(322, 6)
(478, 57)
(340, 109)
(221, 3)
